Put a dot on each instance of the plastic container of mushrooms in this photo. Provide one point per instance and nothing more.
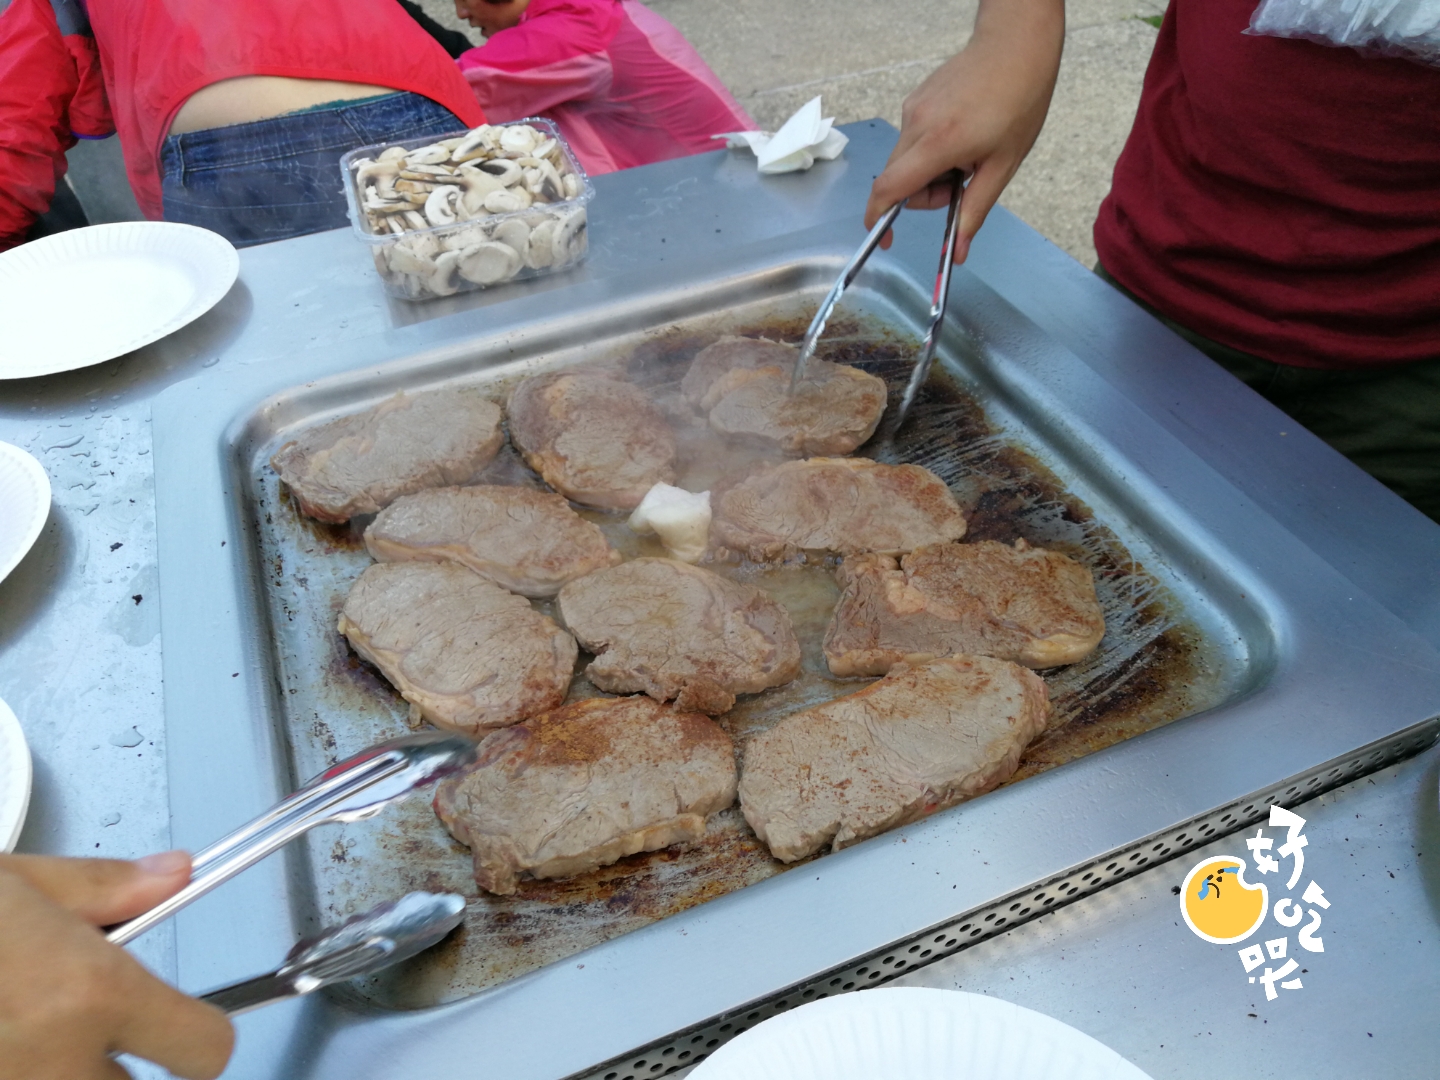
(502, 202)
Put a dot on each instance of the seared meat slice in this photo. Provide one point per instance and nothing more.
(677, 631)
(594, 439)
(834, 504)
(916, 741)
(709, 376)
(358, 464)
(578, 788)
(465, 653)
(528, 541)
(743, 385)
(1019, 603)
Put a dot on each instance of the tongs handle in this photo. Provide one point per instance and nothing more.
(269, 832)
(822, 316)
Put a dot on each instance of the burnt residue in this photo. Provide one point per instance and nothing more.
(1151, 668)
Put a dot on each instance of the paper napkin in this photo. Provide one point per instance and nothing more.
(803, 140)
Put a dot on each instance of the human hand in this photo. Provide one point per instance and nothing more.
(979, 112)
(68, 998)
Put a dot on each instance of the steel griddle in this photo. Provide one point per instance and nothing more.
(1301, 678)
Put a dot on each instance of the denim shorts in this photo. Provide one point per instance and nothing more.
(278, 178)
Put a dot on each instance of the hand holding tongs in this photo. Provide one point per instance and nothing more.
(350, 791)
(938, 301)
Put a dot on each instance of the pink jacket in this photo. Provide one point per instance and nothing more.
(624, 86)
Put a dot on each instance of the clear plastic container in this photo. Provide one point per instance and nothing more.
(492, 247)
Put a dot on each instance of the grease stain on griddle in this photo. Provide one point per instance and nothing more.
(1151, 668)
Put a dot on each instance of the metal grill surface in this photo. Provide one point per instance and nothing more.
(1169, 651)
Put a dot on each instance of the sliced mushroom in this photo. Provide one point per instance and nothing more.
(379, 176)
(476, 185)
(480, 142)
(507, 200)
(360, 162)
(415, 187)
(544, 182)
(463, 239)
(518, 140)
(506, 171)
(451, 143)
(571, 239)
(444, 279)
(541, 251)
(427, 155)
(429, 173)
(573, 186)
(415, 219)
(545, 147)
(440, 206)
(403, 260)
(488, 262)
(516, 234)
(374, 204)
(394, 153)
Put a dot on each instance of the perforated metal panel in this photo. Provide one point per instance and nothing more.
(689, 1047)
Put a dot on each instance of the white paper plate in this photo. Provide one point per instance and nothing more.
(910, 1033)
(24, 505)
(14, 778)
(88, 295)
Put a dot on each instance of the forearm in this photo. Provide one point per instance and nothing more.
(1040, 23)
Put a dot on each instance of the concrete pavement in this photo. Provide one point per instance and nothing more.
(863, 59)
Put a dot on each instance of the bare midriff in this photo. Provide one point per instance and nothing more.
(260, 97)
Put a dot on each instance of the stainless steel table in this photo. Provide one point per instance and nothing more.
(80, 646)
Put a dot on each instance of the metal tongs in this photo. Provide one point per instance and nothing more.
(938, 301)
(352, 790)
(362, 945)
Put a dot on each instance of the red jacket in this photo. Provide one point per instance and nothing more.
(1281, 197)
(622, 84)
(132, 64)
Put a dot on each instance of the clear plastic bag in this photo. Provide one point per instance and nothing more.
(1408, 28)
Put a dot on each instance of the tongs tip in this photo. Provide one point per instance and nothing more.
(938, 303)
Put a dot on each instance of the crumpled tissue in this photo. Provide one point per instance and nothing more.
(803, 140)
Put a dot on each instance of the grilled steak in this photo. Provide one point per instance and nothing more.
(916, 741)
(578, 788)
(834, 504)
(679, 632)
(594, 439)
(530, 542)
(465, 653)
(358, 464)
(743, 386)
(1019, 603)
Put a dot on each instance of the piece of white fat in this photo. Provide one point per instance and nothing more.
(681, 519)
